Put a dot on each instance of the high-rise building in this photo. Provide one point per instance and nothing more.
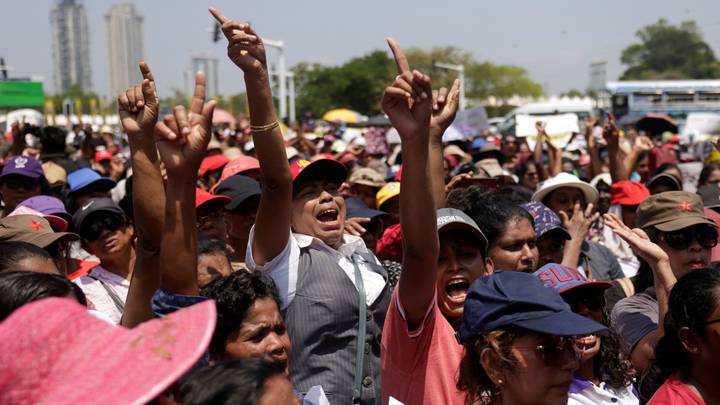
(209, 66)
(71, 50)
(124, 47)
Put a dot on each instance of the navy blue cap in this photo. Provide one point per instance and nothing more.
(508, 298)
(85, 177)
(239, 188)
(355, 208)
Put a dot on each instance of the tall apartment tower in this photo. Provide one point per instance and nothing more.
(71, 49)
(209, 66)
(125, 47)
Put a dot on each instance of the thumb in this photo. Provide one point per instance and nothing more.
(563, 217)
(208, 111)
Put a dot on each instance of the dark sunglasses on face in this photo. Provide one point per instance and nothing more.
(94, 229)
(705, 235)
(18, 182)
(553, 349)
(590, 301)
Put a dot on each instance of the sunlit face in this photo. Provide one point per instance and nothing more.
(691, 258)
(318, 210)
(531, 179)
(515, 249)
(541, 374)
(262, 334)
(460, 262)
(111, 243)
(563, 199)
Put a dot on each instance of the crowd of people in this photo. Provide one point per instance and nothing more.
(175, 261)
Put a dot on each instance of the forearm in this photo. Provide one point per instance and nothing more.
(269, 145)
(420, 244)
(147, 181)
(145, 281)
(618, 171)
(178, 251)
(538, 158)
(437, 171)
(631, 159)
(571, 253)
(663, 281)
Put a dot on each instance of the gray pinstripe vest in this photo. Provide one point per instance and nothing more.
(322, 322)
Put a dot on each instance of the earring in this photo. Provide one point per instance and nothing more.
(500, 382)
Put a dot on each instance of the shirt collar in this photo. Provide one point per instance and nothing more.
(351, 244)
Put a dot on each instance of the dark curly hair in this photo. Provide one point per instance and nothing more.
(234, 295)
(491, 210)
(692, 300)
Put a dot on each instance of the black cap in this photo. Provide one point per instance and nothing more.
(355, 208)
(239, 188)
(665, 178)
(92, 206)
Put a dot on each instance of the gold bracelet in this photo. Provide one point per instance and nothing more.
(265, 128)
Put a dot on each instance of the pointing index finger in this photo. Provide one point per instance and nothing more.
(218, 15)
(146, 73)
(400, 60)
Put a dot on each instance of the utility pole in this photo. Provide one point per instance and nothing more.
(461, 75)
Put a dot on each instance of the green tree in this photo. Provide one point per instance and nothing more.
(501, 81)
(667, 51)
(75, 92)
(573, 93)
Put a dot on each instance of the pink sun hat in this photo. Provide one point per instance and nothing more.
(53, 351)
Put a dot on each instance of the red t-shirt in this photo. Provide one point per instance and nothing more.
(673, 392)
(422, 366)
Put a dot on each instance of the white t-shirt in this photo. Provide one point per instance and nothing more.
(98, 297)
(584, 392)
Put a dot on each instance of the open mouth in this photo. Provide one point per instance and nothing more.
(328, 215)
(456, 288)
(586, 342)
(697, 263)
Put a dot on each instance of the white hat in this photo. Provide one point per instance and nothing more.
(604, 177)
(565, 180)
(291, 152)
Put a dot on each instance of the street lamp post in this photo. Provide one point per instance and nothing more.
(282, 75)
(461, 75)
(291, 95)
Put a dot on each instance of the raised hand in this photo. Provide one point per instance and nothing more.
(245, 47)
(610, 132)
(408, 101)
(643, 143)
(182, 138)
(354, 226)
(444, 109)
(580, 222)
(637, 239)
(138, 105)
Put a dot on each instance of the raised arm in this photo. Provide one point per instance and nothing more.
(663, 280)
(138, 110)
(444, 108)
(595, 166)
(618, 170)
(182, 139)
(272, 224)
(408, 104)
(538, 152)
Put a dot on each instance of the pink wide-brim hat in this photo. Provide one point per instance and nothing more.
(54, 352)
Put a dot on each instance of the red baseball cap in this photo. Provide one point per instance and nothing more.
(213, 162)
(321, 168)
(203, 198)
(239, 165)
(103, 155)
(626, 192)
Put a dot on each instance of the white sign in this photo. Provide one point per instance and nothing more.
(691, 173)
(559, 127)
(700, 125)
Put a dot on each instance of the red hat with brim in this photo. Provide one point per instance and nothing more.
(211, 163)
(204, 199)
(103, 155)
(52, 345)
(628, 192)
(327, 169)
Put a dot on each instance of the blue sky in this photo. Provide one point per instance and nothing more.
(555, 40)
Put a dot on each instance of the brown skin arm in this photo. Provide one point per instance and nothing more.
(272, 224)
(138, 120)
(417, 214)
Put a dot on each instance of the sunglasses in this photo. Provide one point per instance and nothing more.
(553, 349)
(706, 236)
(111, 223)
